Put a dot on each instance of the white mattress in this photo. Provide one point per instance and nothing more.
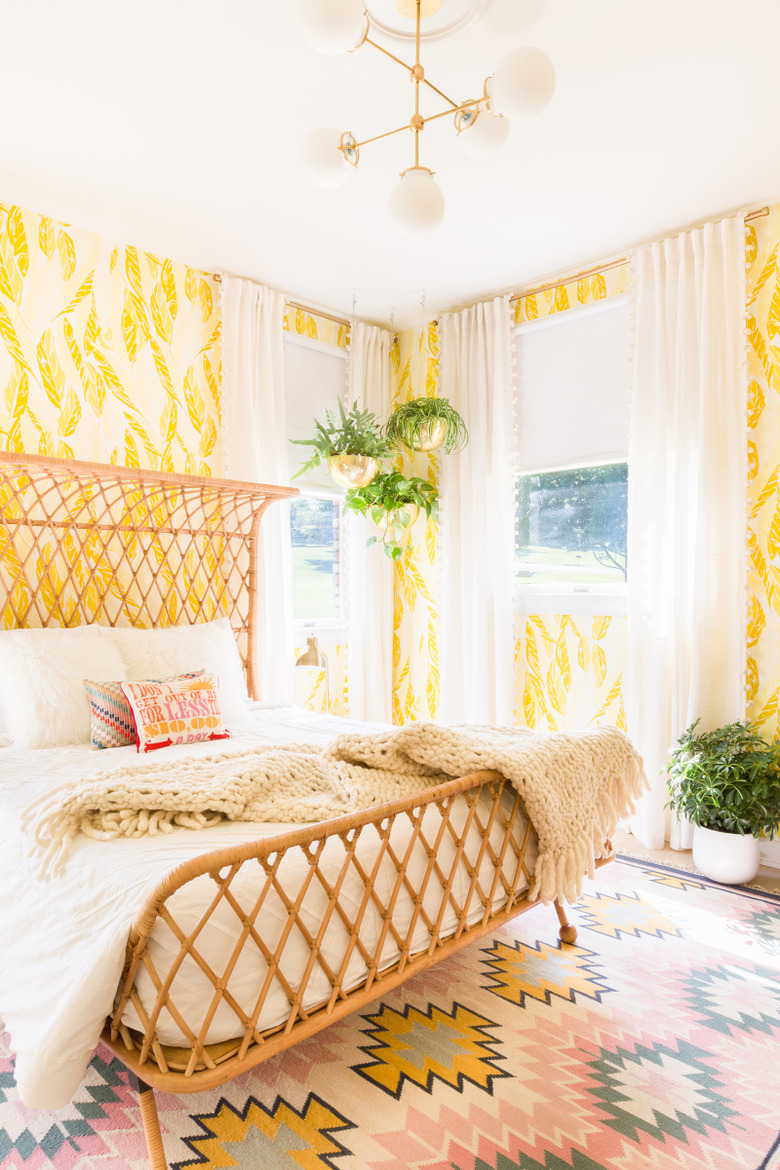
(64, 939)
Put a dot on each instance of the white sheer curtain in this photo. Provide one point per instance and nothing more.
(255, 448)
(687, 501)
(477, 518)
(370, 572)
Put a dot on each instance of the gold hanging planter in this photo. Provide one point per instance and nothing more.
(431, 435)
(353, 471)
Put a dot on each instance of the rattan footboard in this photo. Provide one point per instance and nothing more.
(486, 849)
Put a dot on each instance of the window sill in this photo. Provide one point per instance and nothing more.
(556, 599)
(328, 633)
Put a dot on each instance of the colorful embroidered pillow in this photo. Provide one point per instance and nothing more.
(177, 710)
(111, 720)
(111, 717)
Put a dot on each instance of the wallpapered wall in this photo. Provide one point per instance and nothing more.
(763, 370)
(108, 353)
(568, 669)
(315, 327)
(415, 363)
(112, 354)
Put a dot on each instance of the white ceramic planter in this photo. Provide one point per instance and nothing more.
(725, 857)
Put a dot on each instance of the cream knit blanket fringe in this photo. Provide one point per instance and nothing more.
(575, 787)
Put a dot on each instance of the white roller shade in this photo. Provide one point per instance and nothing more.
(315, 379)
(573, 372)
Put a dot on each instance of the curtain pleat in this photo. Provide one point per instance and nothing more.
(477, 519)
(370, 572)
(255, 448)
(687, 502)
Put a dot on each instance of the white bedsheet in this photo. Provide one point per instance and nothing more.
(64, 939)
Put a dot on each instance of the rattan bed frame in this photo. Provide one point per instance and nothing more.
(83, 542)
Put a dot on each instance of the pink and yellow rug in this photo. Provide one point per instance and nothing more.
(653, 1042)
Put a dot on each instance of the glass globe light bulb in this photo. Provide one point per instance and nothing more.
(416, 204)
(523, 83)
(323, 162)
(485, 137)
(333, 26)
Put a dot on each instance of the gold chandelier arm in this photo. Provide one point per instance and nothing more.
(470, 104)
(387, 53)
(387, 134)
(408, 69)
(432, 118)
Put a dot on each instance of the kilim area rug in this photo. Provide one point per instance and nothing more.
(653, 1042)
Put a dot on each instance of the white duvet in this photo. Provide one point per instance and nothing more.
(64, 939)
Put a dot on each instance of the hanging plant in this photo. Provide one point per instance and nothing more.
(424, 424)
(393, 502)
(353, 445)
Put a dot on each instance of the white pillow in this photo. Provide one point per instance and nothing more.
(42, 676)
(175, 650)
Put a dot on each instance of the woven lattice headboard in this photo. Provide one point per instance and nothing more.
(87, 542)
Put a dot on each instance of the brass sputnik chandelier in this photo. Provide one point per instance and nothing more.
(523, 83)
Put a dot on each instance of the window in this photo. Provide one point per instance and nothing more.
(315, 536)
(570, 526)
(573, 374)
(315, 379)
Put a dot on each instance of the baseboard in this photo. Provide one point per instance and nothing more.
(770, 852)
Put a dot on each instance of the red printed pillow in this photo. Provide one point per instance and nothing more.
(175, 710)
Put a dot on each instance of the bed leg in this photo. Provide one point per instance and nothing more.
(151, 1121)
(567, 932)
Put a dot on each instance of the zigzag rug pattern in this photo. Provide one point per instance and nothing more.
(652, 1042)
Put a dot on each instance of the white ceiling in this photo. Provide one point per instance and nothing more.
(177, 125)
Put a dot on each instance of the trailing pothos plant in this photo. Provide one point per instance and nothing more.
(390, 501)
(727, 780)
(354, 432)
(410, 421)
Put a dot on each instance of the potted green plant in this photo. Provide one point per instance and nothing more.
(352, 444)
(393, 501)
(427, 423)
(727, 783)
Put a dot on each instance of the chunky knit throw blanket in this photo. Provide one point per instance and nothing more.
(575, 786)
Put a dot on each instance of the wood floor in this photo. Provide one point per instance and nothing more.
(624, 842)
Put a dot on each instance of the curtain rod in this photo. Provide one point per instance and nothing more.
(532, 292)
(318, 313)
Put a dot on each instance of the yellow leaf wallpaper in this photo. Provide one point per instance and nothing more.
(569, 671)
(112, 354)
(415, 364)
(108, 352)
(574, 293)
(763, 357)
(318, 328)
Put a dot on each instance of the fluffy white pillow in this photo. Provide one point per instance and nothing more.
(175, 650)
(42, 676)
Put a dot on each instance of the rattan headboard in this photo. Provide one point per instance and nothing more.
(88, 542)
